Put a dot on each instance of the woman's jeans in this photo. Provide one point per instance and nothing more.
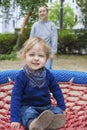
(29, 113)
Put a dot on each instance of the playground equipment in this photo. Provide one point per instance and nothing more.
(74, 87)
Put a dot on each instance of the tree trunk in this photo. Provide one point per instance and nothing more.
(18, 43)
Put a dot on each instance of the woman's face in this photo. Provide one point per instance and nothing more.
(42, 12)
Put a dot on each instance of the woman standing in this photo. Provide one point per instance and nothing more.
(47, 30)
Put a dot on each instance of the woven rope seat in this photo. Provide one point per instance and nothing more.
(74, 88)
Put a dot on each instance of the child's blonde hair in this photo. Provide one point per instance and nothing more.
(30, 43)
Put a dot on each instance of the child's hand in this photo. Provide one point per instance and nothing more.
(15, 125)
(64, 112)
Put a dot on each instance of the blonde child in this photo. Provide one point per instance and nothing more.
(30, 101)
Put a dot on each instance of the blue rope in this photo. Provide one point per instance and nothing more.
(60, 75)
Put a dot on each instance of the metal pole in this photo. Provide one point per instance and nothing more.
(61, 14)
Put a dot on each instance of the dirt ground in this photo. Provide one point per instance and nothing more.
(63, 62)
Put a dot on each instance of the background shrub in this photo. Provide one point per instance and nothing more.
(72, 41)
(7, 43)
(69, 41)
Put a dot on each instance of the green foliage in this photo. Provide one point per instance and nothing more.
(81, 43)
(68, 15)
(83, 7)
(5, 3)
(11, 56)
(25, 5)
(67, 40)
(72, 41)
(7, 42)
(53, 13)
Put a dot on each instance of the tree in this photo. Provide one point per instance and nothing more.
(83, 6)
(27, 8)
(25, 5)
(68, 15)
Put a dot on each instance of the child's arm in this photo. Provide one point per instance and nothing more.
(57, 93)
(16, 98)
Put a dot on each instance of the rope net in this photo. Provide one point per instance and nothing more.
(75, 99)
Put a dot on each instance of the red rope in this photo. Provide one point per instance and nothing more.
(75, 99)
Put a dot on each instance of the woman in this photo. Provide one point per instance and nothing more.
(46, 30)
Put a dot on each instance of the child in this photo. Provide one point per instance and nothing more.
(30, 100)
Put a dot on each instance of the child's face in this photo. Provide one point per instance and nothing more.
(36, 57)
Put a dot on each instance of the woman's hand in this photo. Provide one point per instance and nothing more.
(52, 55)
(15, 125)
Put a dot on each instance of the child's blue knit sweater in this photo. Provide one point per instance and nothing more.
(25, 95)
